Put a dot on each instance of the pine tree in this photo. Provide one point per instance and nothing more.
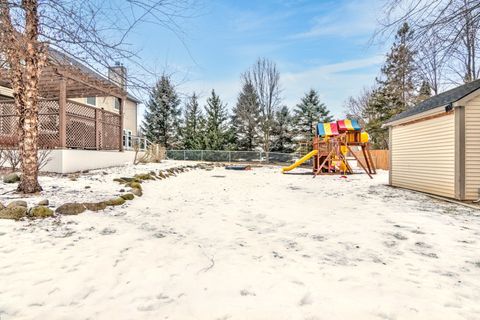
(246, 118)
(216, 131)
(425, 92)
(192, 132)
(283, 131)
(381, 107)
(308, 113)
(161, 124)
(399, 72)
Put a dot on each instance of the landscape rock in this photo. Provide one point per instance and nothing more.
(18, 203)
(71, 209)
(95, 206)
(120, 180)
(115, 202)
(11, 178)
(134, 185)
(137, 192)
(127, 196)
(40, 212)
(43, 202)
(14, 213)
(144, 176)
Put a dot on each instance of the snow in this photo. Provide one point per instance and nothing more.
(243, 245)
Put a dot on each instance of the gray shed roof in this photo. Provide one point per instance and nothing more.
(439, 100)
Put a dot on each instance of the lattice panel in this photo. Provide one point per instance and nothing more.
(81, 110)
(80, 133)
(8, 124)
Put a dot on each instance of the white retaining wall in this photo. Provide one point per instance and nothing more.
(67, 161)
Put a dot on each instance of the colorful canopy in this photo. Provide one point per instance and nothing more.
(327, 129)
(333, 128)
(348, 125)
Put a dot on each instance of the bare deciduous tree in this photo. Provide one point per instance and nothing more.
(94, 32)
(447, 31)
(355, 106)
(265, 78)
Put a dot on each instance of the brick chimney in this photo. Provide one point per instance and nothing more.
(118, 75)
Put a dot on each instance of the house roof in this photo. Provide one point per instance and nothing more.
(439, 100)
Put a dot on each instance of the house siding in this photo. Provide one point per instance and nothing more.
(472, 149)
(423, 156)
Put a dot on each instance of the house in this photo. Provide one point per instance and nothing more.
(87, 120)
(435, 146)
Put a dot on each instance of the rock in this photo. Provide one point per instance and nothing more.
(115, 202)
(127, 196)
(14, 213)
(40, 212)
(43, 202)
(18, 203)
(73, 177)
(87, 187)
(144, 176)
(95, 206)
(120, 180)
(11, 178)
(2, 206)
(71, 208)
(126, 179)
(134, 185)
(137, 192)
(121, 190)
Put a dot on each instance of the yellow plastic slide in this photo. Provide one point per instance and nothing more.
(299, 162)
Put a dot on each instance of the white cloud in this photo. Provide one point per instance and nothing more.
(350, 19)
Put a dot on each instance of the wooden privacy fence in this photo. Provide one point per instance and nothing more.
(380, 158)
(80, 127)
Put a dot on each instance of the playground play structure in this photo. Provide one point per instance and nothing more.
(332, 143)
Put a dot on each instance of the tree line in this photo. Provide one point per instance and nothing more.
(257, 121)
(436, 46)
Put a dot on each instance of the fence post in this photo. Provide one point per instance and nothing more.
(123, 101)
(229, 156)
(97, 129)
(62, 109)
(184, 155)
(201, 155)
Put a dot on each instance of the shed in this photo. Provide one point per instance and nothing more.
(435, 146)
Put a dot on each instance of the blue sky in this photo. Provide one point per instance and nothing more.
(317, 44)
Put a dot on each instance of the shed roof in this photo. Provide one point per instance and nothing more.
(439, 100)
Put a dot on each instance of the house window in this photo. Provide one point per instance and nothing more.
(92, 101)
(127, 139)
(117, 104)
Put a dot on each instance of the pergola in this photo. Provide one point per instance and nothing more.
(64, 78)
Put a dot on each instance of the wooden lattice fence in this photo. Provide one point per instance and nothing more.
(85, 127)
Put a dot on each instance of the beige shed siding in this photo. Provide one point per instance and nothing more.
(423, 156)
(472, 149)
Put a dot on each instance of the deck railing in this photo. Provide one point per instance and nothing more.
(86, 127)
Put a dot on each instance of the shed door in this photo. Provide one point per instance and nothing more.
(423, 156)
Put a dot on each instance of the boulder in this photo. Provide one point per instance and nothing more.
(137, 192)
(40, 212)
(144, 176)
(14, 213)
(127, 196)
(115, 202)
(43, 202)
(11, 178)
(120, 180)
(95, 206)
(134, 184)
(71, 208)
(18, 203)
(126, 179)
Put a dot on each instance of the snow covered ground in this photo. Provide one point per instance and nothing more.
(243, 245)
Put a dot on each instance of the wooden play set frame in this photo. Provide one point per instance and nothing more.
(332, 149)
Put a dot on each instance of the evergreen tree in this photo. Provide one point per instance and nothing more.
(399, 72)
(283, 131)
(380, 108)
(425, 92)
(308, 113)
(161, 124)
(245, 119)
(216, 131)
(192, 132)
